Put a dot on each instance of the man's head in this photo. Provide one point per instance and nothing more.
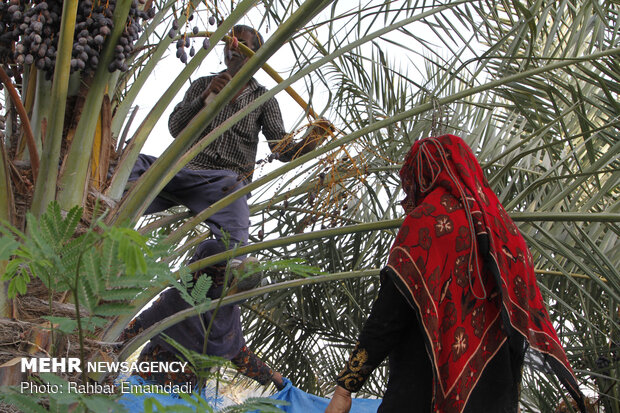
(249, 37)
(252, 38)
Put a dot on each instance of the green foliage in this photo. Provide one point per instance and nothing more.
(63, 324)
(60, 398)
(25, 403)
(292, 266)
(198, 404)
(106, 266)
(131, 248)
(7, 246)
(49, 252)
(548, 143)
(202, 365)
(200, 289)
(258, 404)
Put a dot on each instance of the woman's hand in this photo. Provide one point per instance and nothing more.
(340, 402)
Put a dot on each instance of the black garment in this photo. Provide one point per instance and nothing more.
(393, 329)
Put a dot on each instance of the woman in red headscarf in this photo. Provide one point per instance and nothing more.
(458, 305)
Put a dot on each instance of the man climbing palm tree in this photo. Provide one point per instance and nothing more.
(224, 166)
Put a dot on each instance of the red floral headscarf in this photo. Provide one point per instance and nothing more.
(467, 293)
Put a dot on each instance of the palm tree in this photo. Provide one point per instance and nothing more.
(532, 87)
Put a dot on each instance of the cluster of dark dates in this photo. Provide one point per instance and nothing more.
(29, 33)
(184, 41)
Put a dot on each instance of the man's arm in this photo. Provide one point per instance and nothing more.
(273, 129)
(279, 140)
(191, 104)
(195, 100)
(250, 365)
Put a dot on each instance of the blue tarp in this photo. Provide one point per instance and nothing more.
(299, 401)
(135, 402)
(302, 402)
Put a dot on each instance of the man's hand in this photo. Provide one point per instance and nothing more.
(216, 85)
(276, 379)
(321, 129)
(340, 402)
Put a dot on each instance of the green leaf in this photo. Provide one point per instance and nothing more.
(132, 248)
(52, 378)
(68, 226)
(20, 285)
(12, 290)
(97, 321)
(64, 324)
(200, 288)
(112, 309)
(7, 247)
(11, 269)
(102, 403)
(92, 323)
(24, 403)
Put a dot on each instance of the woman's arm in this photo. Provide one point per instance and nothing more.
(390, 318)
